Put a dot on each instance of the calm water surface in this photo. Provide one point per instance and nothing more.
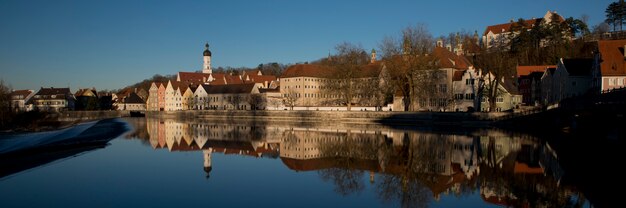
(168, 162)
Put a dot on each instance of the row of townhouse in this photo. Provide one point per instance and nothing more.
(178, 96)
(207, 90)
(550, 84)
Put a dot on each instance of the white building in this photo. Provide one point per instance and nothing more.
(465, 85)
(20, 100)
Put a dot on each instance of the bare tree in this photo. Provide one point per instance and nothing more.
(290, 98)
(235, 100)
(5, 104)
(496, 65)
(346, 65)
(257, 101)
(409, 64)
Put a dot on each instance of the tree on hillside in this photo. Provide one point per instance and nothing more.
(346, 65)
(409, 64)
(616, 14)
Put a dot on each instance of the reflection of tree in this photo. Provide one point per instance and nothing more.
(408, 191)
(347, 181)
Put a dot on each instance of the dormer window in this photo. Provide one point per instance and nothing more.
(53, 96)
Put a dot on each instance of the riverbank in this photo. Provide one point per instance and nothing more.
(362, 117)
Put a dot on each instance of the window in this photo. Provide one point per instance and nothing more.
(620, 82)
(469, 82)
(443, 88)
(499, 99)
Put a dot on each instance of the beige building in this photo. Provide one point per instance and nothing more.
(308, 84)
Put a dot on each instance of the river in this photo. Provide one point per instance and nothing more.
(247, 163)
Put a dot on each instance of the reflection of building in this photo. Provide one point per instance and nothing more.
(444, 160)
(508, 170)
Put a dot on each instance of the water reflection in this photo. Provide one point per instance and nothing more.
(412, 168)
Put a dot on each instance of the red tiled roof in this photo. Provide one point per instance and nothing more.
(448, 59)
(506, 27)
(325, 163)
(526, 70)
(261, 79)
(308, 70)
(194, 77)
(613, 61)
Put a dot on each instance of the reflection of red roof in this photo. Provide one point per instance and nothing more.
(526, 70)
(524, 168)
(325, 163)
(447, 59)
(613, 61)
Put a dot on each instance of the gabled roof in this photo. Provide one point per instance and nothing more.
(23, 93)
(526, 70)
(448, 59)
(133, 98)
(54, 91)
(529, 23)
(229, 89)
(613, 59)
(195, 77)
(510, 86)
(308, 70)
(506, 27)
(260, 78)
(86, 92)
(578, 67)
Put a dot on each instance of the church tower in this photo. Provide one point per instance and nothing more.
(373, 56)
(206, 67)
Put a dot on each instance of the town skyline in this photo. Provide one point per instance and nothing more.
(85, 44)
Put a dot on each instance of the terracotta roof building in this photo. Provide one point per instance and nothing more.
(609, 67)
(498, 34)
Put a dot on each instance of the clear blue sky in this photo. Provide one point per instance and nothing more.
(112, 44)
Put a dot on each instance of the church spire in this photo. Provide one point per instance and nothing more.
(206, 66)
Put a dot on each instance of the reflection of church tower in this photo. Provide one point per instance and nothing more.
(206, 67)
(207, 161)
